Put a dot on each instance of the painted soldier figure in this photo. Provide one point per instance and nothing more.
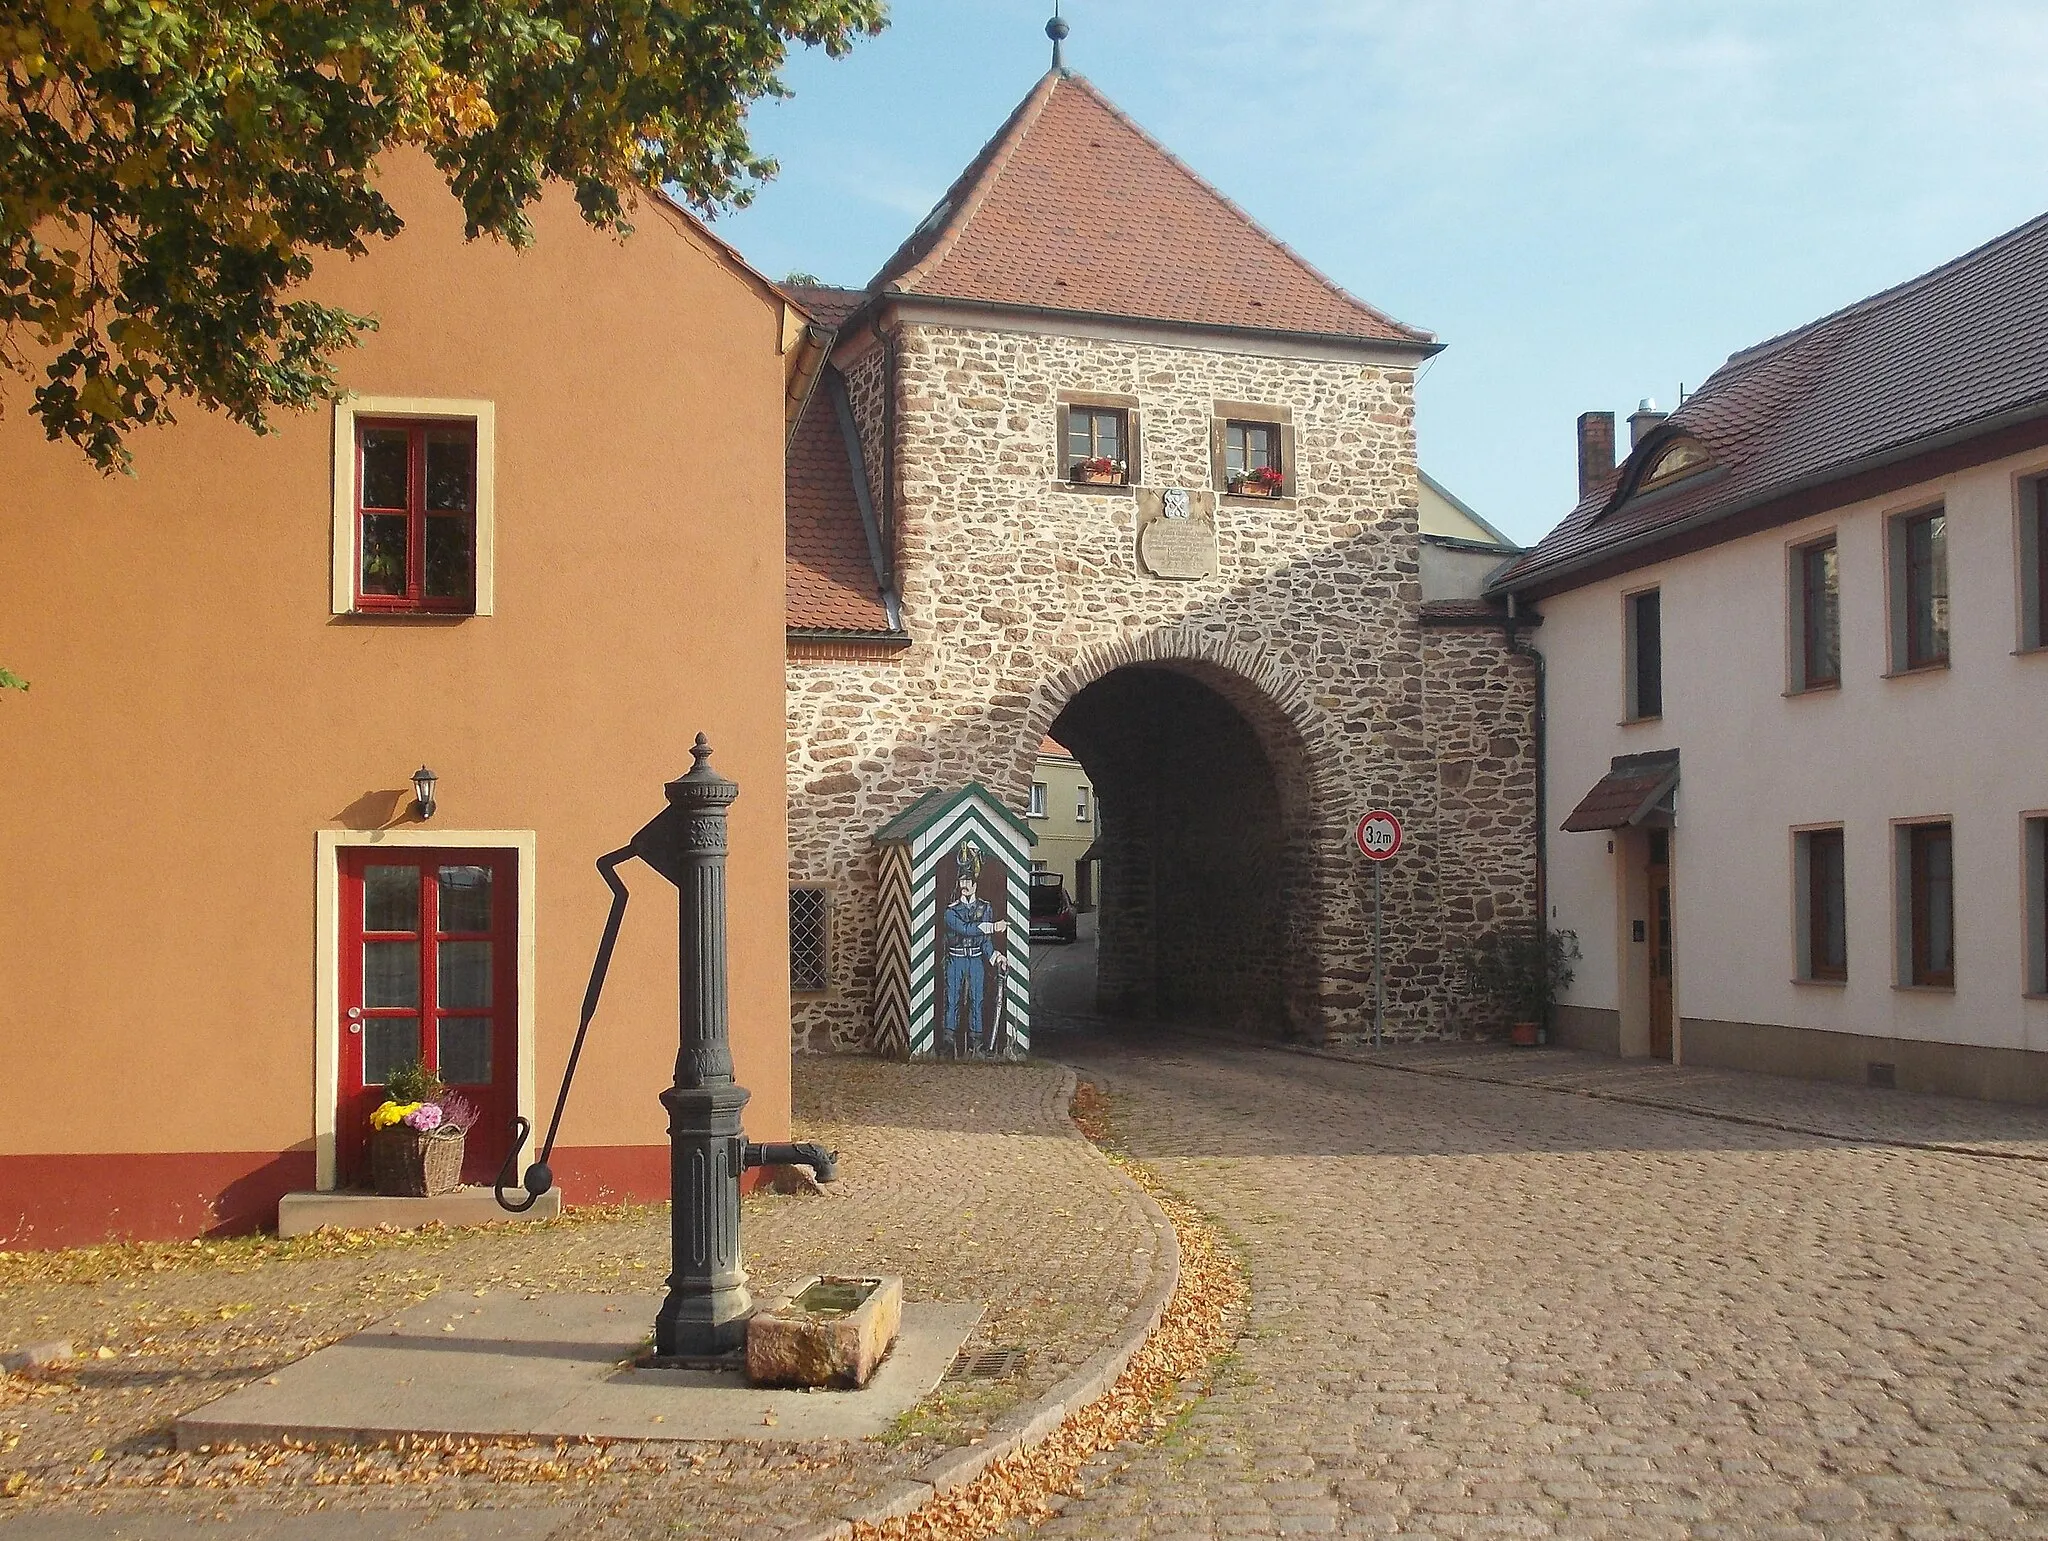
(972, 948)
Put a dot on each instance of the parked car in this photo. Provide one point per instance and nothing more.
(1053, 916)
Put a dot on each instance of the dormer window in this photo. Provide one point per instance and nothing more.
(1681, 457)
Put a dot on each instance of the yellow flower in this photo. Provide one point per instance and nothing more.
(390, 1113)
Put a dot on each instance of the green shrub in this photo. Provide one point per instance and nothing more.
(412, 1082)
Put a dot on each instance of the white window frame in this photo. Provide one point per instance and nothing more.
(481, 414)
(1036, 809)
(1081, 803)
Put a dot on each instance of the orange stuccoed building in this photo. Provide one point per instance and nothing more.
(537, 548)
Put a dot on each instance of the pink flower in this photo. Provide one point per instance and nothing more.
(426, 1118)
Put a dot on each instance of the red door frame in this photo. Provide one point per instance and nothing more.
(498, 1100)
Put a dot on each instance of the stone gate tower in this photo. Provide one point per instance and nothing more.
(1096, 456)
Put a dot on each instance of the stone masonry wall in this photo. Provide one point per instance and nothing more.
(1020, 591)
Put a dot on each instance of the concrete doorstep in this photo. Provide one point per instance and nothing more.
(557, 1367)
(301, 1214)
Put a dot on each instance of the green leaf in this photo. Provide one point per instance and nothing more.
(9, 680)
(170, 171)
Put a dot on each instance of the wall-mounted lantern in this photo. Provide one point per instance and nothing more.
(423, 790)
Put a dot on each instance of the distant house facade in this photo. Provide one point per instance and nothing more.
(1098, 458)
(226, 915)
(1062, 811)
(1797, 774)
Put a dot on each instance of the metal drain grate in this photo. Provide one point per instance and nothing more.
(986, 1364)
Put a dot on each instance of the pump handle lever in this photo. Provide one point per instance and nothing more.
(540, 1177)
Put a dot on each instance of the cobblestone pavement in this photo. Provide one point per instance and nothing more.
(1853, 1112)
(1485, 1310)
(965, 1179)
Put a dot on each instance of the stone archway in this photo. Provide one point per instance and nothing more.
(1211, 792)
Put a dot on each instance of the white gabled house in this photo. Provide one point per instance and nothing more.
(1796, 779)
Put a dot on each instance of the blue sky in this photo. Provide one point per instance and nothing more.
(1590, 201)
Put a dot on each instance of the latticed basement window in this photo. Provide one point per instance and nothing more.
(810, 932)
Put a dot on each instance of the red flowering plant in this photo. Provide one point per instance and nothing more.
(1267, 479)
(1099, 465)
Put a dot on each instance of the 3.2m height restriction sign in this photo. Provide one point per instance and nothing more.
(1379, 835)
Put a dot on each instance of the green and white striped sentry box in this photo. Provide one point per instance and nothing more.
(953, 937)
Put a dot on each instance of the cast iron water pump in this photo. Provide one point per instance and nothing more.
(705, 1313)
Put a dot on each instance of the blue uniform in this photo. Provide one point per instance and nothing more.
(969, 952)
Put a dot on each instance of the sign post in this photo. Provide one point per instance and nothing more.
(1379, 836)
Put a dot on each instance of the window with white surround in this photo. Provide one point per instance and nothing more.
(1644, 642)
(1037, 809)
(1816, 611)
(414, 506)
(1820, 882)
(810, 940)
(1081, 805)
(1919, 590)
(2033, 554)
(1924, 887)
(2036, 828)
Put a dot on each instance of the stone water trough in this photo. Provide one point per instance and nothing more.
(830, 1330)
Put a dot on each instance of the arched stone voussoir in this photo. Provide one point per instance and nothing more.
(1273, 699)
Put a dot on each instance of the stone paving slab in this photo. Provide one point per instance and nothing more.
(558, 1368)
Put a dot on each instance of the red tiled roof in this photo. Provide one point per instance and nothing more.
(832, 583)
(1954, 353)
(1632, 788)
(828, 306)
(1073, 207)
(1053, 747)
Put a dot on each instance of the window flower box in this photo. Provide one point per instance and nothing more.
(1265, 482)
(1098, 472)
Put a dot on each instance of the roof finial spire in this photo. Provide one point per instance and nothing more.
(1056, 29)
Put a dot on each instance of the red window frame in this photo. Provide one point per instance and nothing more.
(415, 599)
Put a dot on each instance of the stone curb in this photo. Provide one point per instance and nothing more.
(1629, 1099)
(1025, 1427)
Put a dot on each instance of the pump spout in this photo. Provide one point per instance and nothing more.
(825, 1163)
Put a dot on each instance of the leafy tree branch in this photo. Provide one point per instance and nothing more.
(169, 169)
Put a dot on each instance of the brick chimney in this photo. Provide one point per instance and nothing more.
(1596, 449)
(1642, 420)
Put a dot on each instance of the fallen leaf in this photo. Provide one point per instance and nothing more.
(103, 1352)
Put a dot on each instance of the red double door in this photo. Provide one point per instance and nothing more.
(429, 971)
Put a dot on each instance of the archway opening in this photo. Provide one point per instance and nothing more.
(1200, 808)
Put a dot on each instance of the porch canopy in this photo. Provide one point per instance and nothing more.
(1637, 789)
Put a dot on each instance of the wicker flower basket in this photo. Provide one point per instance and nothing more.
(405, 1163)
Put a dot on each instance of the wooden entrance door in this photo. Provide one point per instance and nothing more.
(429, 972)
(1660, 943)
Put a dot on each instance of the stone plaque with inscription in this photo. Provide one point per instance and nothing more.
(1177, 532)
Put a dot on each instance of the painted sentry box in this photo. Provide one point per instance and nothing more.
(953, 936)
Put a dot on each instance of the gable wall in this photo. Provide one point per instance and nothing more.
(1018, 591)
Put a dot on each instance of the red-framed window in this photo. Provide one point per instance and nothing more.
(415, 515)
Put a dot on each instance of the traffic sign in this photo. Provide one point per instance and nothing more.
(1379, 835)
